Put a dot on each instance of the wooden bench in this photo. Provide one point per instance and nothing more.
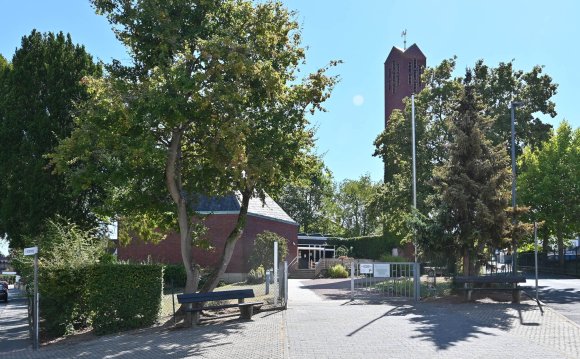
(507, 283)
(246, 309)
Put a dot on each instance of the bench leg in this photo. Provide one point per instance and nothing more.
(516, 294)
(246, 311)
(467, 292)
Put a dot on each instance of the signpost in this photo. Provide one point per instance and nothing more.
(33, 251)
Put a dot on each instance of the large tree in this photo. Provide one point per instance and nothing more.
(435, 105)
(549, 184)
(210, 104)
(310, 201)
(472, 184)
(37, 92)
(355, 212)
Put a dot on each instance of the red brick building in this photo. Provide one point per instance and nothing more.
(403, 69)
(220, 218)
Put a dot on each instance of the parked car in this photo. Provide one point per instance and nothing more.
(4, 291)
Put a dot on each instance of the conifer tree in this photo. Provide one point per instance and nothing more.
(472, 183)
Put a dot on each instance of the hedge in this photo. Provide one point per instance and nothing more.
(10, 278)
(63, 300)
(110, 297)
(125, 296)
(368, 247)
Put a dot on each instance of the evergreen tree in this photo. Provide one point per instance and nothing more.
(472, 184)
(38, 90)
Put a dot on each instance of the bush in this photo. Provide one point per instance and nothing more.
(369, 247)
(10, 278)
(263, 252)
(63, 300)
(391, 258)
(256, 276)
(338, 271)
(174, 273)
(124, 296)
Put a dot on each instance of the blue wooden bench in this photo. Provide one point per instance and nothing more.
(202, 300)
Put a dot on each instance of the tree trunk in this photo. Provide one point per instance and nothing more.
(174, 185)
(230, 244)
(561, 257)
(466, 262)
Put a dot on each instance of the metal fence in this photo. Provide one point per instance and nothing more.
(549, 263)
(272, 290)
(385, 280)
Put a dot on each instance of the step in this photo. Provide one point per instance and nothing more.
(302, 274)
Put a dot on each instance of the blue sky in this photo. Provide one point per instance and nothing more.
(361, 33)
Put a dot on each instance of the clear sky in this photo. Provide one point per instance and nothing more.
(361, 33)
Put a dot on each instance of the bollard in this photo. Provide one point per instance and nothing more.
(268, 281)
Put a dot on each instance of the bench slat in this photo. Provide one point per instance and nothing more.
(215, 296)
(491, 279)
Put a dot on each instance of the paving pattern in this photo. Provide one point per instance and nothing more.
(323, 323)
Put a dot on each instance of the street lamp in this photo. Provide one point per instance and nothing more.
(513, 106)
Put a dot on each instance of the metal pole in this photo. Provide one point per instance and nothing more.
(36, 316)
(276, 261)
(513, 145)
(352, 280)
(414, 167)
(536, 254)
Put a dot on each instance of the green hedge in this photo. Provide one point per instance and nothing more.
(368, 247)
(125, 296)
(174, 274)
(10, 278)
(63, 300)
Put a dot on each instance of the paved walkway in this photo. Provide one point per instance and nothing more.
(322, 323)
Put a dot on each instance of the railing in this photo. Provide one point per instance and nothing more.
(293, 265)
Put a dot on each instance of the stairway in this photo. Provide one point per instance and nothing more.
(302, 274)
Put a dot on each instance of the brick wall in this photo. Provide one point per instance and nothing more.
(219, 227)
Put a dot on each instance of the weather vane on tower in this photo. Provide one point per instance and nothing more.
(404, 36)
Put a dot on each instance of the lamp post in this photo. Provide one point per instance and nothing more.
(513, 106)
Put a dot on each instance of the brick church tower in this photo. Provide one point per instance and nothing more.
(403, 69)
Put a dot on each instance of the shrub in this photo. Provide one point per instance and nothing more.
(370, 247)
(263, 252)
(391, 258)
(338, 271)
(124, 296)
(256, 276)
(174, 273)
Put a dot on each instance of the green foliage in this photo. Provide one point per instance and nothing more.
(338, 271)
(64, 299)
(124, 296)
(310, 201)
(341, 251)
(435, 106)
(472, 186)
(174, 274)
(10, 278)
(256, 276)
(263, 252)
(355, 212)
(548, 183)
(369, 247)
(37, 91)
(202, 109)
(391, 258)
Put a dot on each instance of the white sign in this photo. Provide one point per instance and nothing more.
(366, 268)
(30, 251)
(382, 270)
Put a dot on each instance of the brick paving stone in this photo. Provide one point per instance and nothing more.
(315, 326)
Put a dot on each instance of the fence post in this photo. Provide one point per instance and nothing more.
(417, 281)
(173, 301)
(268, 281)
(285, 284)
(352, 280)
